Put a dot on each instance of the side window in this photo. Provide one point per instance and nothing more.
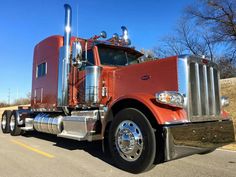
(41, 70)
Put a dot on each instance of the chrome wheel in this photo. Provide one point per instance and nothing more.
(12, 123)
(132, 141)
(129, 140)
(4, 122)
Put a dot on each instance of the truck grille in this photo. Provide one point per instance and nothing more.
(204, 96)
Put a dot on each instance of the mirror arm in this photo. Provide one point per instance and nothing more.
(76, 54)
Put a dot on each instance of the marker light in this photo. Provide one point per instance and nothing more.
(171, 98)
(224, 101)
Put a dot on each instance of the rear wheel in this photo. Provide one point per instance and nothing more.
(14, 129)
(5, 122)
(132, 141)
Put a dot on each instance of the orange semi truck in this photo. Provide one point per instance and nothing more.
(145, 113)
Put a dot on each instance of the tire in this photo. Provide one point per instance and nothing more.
(132, 141)
(14, 129)
(5, 121)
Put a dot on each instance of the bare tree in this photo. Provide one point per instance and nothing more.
(28, 95)
(195, 40)
(148, 55)
(169, 46)
(219, 17)
(3, 104)
(23, 101)
(187, 39)
(227, 68)
(208, 27)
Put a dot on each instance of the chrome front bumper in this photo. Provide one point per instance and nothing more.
(187, 139)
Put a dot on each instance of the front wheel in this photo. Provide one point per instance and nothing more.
(132, 141)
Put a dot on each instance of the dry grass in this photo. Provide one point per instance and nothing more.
(228, 88)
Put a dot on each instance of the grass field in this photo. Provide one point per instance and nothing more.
(228, 88)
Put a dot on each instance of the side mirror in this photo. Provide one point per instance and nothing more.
(77, 54)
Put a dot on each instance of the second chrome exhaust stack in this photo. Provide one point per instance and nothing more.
(64, 61)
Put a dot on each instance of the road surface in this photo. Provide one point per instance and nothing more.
(42, 155)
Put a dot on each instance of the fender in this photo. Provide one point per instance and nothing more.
(164, 114)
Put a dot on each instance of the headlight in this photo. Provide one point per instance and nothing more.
(170, 98)
(224, 101)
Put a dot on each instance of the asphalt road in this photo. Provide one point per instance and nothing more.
(42, 155)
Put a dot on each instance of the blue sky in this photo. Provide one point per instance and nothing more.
(24, 23)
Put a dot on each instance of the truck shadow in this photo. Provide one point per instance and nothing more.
(93, 148)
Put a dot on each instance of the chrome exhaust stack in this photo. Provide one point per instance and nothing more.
(93, 85)
(64, 61)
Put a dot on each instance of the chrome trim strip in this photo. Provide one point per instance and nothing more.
(199, 108)
(206, 89)
(182, 76)
(219, 99)
(213, 91)
(183, 80)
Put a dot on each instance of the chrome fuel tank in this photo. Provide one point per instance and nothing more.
(44, 123)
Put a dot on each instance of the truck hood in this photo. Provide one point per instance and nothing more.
(148, 77)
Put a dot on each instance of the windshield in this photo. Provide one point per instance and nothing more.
(117, 56)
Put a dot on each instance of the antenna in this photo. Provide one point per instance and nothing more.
(77, 19)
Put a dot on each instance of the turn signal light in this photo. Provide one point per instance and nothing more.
(170, 98)
(224, 101)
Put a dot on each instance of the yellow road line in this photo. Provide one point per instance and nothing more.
(32, 149)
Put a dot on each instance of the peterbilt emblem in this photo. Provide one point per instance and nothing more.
(145, 77)
(205, 61)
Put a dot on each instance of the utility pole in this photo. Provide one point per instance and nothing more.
(17, 94)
